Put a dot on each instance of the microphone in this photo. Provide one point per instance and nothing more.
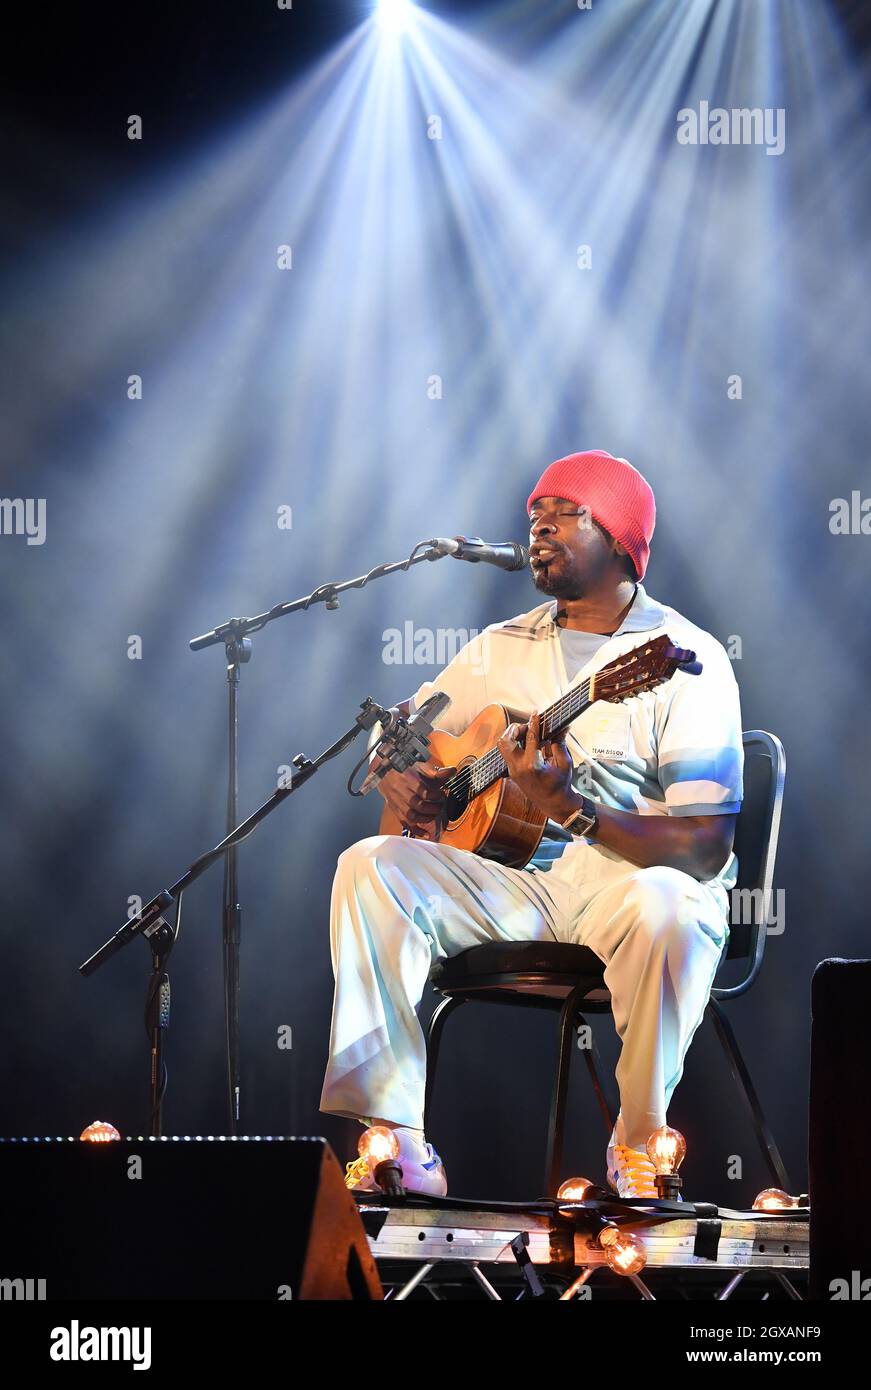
(406, 739)
(506, 555)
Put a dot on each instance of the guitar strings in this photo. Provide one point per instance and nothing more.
(483, 771)
(477, 774)
(479, 770)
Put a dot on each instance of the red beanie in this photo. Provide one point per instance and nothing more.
(615, 492)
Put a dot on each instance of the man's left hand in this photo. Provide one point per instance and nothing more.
(543, 770)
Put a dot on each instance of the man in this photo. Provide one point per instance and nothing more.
(641, 798)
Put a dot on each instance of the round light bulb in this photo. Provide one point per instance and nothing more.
(574, 1189)
(666, 1149)
(100, 1132)
(378, 1143)
(623, 1251)
(774, 1199)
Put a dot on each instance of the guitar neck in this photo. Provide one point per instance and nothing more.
(555, 719)
(633, 673)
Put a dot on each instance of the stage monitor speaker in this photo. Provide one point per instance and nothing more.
(172, 1218)
(839, 1141)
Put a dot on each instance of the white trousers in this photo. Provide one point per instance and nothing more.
(399, 905)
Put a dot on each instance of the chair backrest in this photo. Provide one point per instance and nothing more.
(756, 833)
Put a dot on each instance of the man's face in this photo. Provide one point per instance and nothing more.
(569, 552)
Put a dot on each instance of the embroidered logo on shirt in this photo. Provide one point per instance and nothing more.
(610, 734)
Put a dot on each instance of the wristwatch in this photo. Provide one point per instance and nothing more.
(584, 821)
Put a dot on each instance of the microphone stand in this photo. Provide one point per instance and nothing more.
(150, 921)
(234, 635)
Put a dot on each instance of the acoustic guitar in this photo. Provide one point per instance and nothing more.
(484, 810)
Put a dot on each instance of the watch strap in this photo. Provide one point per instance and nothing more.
(583, 821)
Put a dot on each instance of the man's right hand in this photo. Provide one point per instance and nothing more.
(416, 797)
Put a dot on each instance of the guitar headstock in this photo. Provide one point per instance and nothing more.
(642, 669)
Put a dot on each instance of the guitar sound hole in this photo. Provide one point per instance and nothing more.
(456, 803)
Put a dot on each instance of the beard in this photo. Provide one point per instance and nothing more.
(557, 582)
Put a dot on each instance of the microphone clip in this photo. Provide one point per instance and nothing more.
(407, 740)
(403, 741)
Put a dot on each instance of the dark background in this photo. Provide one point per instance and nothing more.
(114, 775)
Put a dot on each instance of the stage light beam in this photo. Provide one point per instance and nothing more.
(394, 16)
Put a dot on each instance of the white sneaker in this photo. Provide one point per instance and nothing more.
(422, 1169)
(630, 1171)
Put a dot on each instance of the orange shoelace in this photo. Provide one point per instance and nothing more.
(636, 1168)
(356, 1172)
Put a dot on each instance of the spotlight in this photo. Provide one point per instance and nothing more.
(394, 16)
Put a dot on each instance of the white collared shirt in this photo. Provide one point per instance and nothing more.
(674, 750)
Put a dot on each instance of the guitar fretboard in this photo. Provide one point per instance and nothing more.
(476, 777)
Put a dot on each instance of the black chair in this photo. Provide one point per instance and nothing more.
(569, 978)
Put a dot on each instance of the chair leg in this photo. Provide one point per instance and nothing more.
(738, 1067)
(433, 1043)
(559, 1094)
(591, 1057)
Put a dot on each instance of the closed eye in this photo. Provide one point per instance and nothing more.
(534, 519)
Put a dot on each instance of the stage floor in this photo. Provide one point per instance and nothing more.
(432, 1246)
